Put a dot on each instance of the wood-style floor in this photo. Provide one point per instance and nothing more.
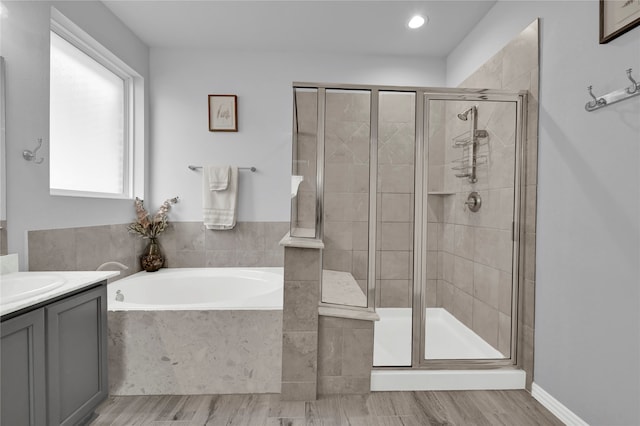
(511, 408)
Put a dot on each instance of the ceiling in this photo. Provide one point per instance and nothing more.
(348, 27)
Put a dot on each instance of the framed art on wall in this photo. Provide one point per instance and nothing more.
(223, 113)
(617, 17)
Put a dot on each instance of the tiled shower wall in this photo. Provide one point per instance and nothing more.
(435, 202)
(185, 245)
(396, 188)
(346, 183)
(515, 67)
(475, 249)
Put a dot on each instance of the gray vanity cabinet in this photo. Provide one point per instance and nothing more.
(54, 361)
(76, 356)
(22, 365)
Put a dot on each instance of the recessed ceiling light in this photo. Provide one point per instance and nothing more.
(416, 22)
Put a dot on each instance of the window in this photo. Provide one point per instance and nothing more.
(92, 142)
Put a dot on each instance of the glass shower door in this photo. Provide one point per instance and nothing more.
(470, 257)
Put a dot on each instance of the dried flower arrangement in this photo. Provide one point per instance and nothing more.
(148, 227)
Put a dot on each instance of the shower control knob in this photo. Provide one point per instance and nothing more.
(474, 201)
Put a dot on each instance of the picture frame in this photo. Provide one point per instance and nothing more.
(617, 17)
(223, 113)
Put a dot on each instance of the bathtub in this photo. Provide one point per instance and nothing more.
(179, 289)
(185, 331)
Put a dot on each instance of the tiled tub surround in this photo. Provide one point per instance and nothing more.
(222, 336)
(185, 244)
(194, 352)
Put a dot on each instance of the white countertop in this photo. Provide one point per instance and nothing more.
(73, 281)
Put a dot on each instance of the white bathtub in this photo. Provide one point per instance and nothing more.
(188, 331)
(178, 289)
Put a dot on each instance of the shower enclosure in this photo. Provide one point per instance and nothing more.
(416, 194)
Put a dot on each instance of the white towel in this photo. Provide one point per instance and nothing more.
(219, 207)
(218, 177)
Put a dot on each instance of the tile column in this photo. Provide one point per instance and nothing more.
(345, 351)
(300, 318)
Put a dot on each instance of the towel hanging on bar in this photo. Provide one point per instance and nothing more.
(219, 206)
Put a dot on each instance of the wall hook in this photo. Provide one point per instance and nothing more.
(634, 85)
(31, 155)
(596, 103)
(615, 96)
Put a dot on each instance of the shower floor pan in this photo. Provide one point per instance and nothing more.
(446, 338)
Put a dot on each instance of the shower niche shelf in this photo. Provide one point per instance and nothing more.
(440, 193)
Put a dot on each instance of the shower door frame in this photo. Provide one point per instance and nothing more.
(420, 236)
(422, 97)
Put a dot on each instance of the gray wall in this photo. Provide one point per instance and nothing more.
(587, 335)
(25, 47)
(177, 136)
(262, 80)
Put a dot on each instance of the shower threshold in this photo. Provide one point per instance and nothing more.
(445, 338)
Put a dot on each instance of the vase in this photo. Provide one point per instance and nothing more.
(152, 259)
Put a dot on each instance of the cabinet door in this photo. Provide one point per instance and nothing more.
(22, 359)
(77, 350)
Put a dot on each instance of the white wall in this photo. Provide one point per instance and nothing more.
(182, 79)
(25, 47)
(587, 330)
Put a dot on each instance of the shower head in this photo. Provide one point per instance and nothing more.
(465, 115)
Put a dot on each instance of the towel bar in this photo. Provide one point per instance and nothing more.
(253, 169)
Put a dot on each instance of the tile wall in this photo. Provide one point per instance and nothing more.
(346, 183)
(300, 324)
(396, 188)
(185, 245)
(473, 250)
(345, 355)
(346, 191)
(435, 203)
(516, 67)
(150, 352)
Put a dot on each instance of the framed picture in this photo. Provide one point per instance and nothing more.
(223, 113)
(617, 17)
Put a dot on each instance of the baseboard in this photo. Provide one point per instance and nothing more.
(556, 407)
